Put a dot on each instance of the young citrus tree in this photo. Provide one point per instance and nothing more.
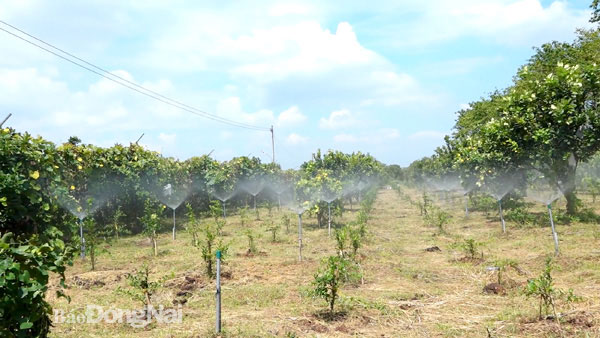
(151, 222)
(330, 278)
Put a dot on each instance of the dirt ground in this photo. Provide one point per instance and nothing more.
(408, 291)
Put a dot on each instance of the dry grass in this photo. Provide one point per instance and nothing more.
(407, 291)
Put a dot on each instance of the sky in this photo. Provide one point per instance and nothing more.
(381, 77)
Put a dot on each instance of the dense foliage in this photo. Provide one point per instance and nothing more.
(47, 192)
(31, 245)
(547, 121)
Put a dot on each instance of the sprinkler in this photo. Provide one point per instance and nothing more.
(501, 216)
(500, 186)
(174, 224)
(328, 196)
(450, 183)
(223, 197)
(253, 187)
(93, 201)
(82, 239)
(329, 219)
(540, 192)
(554, 234)
(172, 197)
(299, 210)
(300, 237)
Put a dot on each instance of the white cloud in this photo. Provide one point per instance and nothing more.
(283, 9)
(301, 48)
(295, 139)
(339, 119)
(231, 108)
(345, 138)
(507, 22)
(226, 135)
(168, 139)
(284, 62)
(390, 133)
(389, 88)
(379, 136)
(291, 117)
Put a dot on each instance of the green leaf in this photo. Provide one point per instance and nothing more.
(26, 325)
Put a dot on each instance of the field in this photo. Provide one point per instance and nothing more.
(407, 291)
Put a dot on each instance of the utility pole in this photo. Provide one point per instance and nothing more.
(273, 143)
(10, 114)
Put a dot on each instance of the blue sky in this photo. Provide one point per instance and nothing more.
(384, 77)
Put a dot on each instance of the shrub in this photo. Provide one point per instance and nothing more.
(469, 247)
(142, 289)
(355, 239)
(209, 246)
(116, 222)
(151, 222)
(32, 227)
(543, 288)
(437, 217)
(520, 216)
(330, 278)
(286, 221)
(362, 217)
(503, 265)
(251, 245)
(273, 229)
(341, 240)
(193, 225)
(424, 205)
(216, 209)
(95, 235)
(24, 267)
(244, 218)
(484, 203)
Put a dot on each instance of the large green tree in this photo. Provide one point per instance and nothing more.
(31, 243)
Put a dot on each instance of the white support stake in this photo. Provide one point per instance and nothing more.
(329, 225)
(502, 216)
(82, 239)
(300, 237)
(554, 234)
(218, 294)
(173, 224)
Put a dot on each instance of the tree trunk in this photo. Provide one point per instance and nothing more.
(566, 175)
(154, 245)
(93, 256)
(571, 202)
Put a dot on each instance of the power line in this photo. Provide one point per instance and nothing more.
(125, 82)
